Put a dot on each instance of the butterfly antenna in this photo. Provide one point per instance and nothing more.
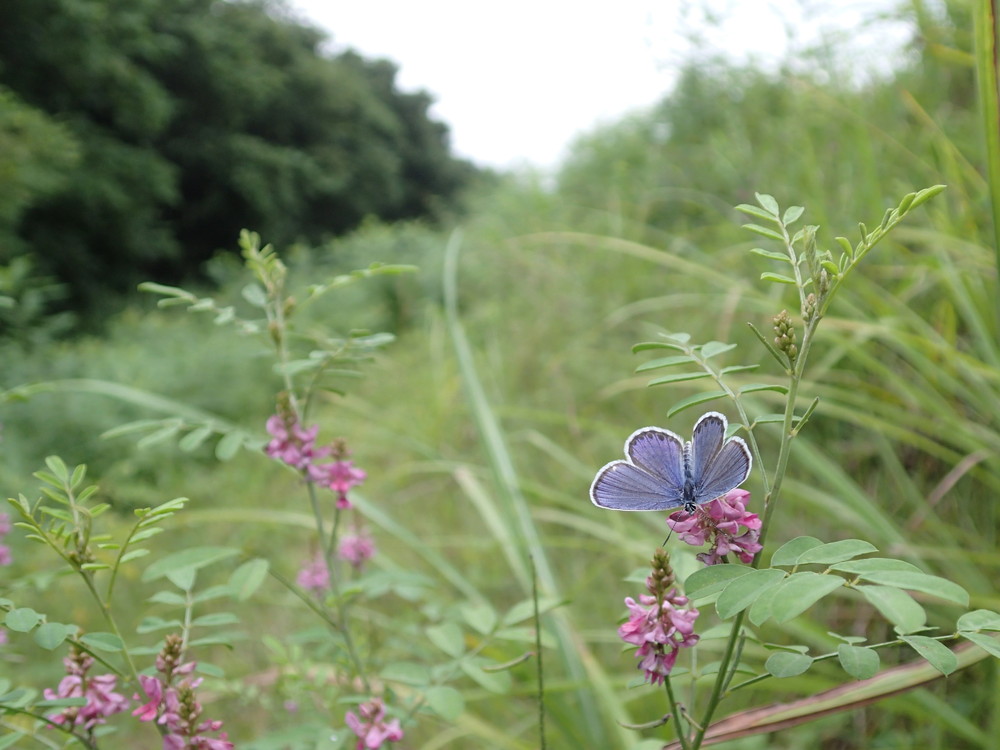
(669, 534)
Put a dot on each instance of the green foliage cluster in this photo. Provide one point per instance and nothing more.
(137, 138)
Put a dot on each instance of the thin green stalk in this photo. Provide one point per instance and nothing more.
(986, 32)
(675, 713)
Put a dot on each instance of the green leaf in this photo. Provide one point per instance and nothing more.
(988, 643)
(755, 387)
(738, 368)
(835, 552)
(760, 610)
(134, 554)
(406, 672)
(754, 211)
(215, 619)
(103, 641)
(741, 592)
(448, 637)
(768, 203)
(22, 619)
(643, 346)
(789, 552)
(777, 278)
(792, 214)
(698, 398)
(58, 468)
(151, 624)
(445, 701)
(495, 682)
(50, 635)
(798, 592)
(169, 597)
(194, 439)
(712, 579)
(715, 348)
(787, 664)
(927, 584)
(874, 564)
(165, 433)
(940, 656)
(654, 364)
(679, 377)
(248, 577)
(772, 255)
(229, 444)
(480, 617)
(980, 619)
(896, 606)
(764, 232)
(859, 662)
(193, 558)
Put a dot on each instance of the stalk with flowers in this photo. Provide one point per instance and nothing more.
(665, 622)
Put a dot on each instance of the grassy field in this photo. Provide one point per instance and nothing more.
(512, 380)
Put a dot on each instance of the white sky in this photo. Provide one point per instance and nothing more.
(516, 81)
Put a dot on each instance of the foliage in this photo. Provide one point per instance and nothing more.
(191, 118)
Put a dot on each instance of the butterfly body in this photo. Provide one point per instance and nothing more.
(661, 471)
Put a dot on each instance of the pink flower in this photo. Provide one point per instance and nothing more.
(293, 444)
(371, 728)
(153, 689)
(719, 521)
(339, 476)
(175, 706)
(4, 524)
(102, 700)
(356, 548)
(314, 575)
(659, 630)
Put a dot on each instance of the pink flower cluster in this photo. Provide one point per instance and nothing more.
(371, 727)
(356, 548)
(295, 445)
(719, 521)
(5, 558)
(314, 575)
(99, 691)
(174, 705)
(660, 630)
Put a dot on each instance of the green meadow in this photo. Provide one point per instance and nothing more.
(511, 378)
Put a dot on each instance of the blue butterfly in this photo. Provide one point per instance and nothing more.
(661, 471)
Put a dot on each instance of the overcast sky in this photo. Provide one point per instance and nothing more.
(516, 81)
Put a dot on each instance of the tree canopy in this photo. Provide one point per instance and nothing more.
(139, 136)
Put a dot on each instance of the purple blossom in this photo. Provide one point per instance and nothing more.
(175, 706)
(314, 575)
(660, 630)
(659, 623)
(356, 548)
(371, 728)
(296, 446)
(99, 691)
(719, 522)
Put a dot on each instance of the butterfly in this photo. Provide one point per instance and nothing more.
(661, 471)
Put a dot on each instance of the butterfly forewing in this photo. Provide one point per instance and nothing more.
(660, 453)
(706, 441)
(623, 486)
(726, 471)
(651, 479)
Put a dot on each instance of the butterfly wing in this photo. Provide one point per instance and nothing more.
(726, 470)
(706, 441)
(651, 479)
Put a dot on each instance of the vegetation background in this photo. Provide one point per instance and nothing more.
(137, 138)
